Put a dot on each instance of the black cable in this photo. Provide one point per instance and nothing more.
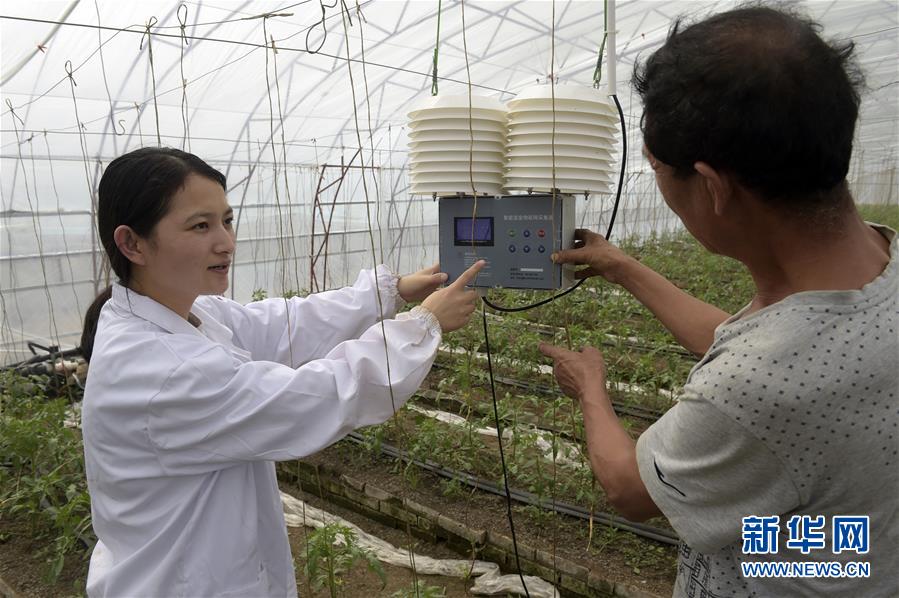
(608, 231)
(523, 496)
(499, 433)
(502, 456)
(623, 163)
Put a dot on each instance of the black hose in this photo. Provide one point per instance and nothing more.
(42, 358)
(641, 529)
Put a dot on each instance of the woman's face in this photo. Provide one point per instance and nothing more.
(190, 249)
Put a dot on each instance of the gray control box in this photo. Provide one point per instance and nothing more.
(516, 234)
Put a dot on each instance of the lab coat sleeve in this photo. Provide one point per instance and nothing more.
(294, 331)
(214, 411)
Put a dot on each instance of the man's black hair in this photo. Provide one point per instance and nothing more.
(755, 92)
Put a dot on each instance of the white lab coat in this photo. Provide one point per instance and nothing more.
(182, 425)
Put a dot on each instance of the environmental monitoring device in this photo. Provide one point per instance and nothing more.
(515, 234)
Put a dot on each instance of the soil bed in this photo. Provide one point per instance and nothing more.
(618, 556)
(22, 570)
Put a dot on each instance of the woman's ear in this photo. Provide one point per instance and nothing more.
(130, 244)
(717, 184)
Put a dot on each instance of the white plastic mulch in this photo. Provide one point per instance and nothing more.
(488, 581)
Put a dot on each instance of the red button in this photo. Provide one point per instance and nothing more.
(541, 233)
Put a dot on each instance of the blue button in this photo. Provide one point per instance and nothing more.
(541, 248)
(511, 248)
(527, 233)
(527, 248)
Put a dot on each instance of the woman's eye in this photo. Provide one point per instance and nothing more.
(229, 222)
(200, 226)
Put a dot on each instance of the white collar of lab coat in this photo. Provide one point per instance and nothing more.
(151, 310)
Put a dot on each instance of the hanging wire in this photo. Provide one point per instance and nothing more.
(271, 143)
(140, 130)
(13, 281)
(149, 37)
(552, 216)
(470, 175)
(324, 28)
(243, 198)
(284, 161)
(474, 191)
(371, 133)
(106, 81)
(281, 239)
(374, 258)
(185, 114)
(597, 73)
(34, 208)
(62, 228)
(436, 50)
(90, 188)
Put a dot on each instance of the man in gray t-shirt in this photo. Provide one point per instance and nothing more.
(792, 411)
(779, 465)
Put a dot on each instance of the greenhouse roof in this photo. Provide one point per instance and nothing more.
(246, 74)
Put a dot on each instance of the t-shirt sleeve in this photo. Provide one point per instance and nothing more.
(705, 472)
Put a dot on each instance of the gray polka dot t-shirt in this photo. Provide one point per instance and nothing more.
(794, 410)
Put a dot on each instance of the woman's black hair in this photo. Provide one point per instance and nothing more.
(758, 93)
(136, 191)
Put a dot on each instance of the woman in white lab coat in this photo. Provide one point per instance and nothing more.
(191, 397)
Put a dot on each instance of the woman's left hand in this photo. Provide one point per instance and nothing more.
(418, 285)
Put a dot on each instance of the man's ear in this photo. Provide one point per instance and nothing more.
(717, 184)
(130, 244)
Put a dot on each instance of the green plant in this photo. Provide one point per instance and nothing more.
(539, 516)
(373, 439)
(452, 488)
(294, 293)
(259, 295)
(42, 477)
(333, 550)
(641, 555)
(880, 213)
(419, 589)
(608, 535)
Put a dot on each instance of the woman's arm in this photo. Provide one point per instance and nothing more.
(296, 330)
(213, 411)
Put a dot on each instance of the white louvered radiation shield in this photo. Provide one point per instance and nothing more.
(579, 144)
(455, 147)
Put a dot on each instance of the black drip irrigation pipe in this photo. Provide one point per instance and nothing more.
(50, 356)
(647, 531)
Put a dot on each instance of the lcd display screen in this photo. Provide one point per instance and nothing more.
(474, 231)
